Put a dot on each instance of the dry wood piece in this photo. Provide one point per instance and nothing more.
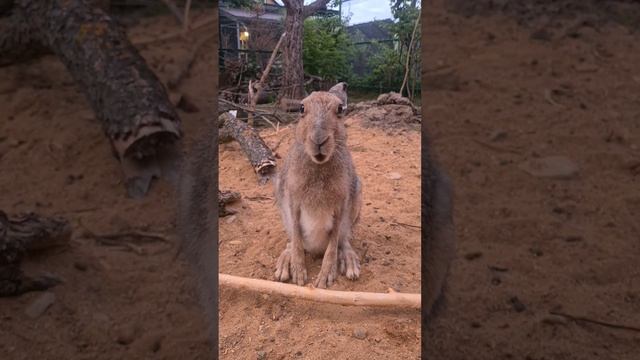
(355, 298)
(19, 235)
(254, 147)
(125, 94)
(226, 197)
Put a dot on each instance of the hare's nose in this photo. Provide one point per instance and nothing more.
(321, 143)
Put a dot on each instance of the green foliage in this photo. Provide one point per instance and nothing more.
(326, 49)
(387, 61)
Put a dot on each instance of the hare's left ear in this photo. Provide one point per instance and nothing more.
(340, 90)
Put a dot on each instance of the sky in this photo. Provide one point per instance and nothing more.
(364, 10)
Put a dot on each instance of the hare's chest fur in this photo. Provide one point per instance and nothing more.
(316, 225)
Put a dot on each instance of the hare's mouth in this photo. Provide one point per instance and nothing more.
(319, 158)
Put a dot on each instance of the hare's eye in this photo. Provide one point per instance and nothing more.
(340, 109)
(301, 108)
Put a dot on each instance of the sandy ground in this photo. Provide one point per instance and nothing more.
(254, 325)
(555, 245)
(54, 159)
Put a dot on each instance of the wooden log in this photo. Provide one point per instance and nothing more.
(125, 94)
(20, 235)
(353, 298)
(254, 147)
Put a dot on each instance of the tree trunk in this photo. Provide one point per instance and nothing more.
(257, 151)
(125, 94)
(20, 235)
(293, 77)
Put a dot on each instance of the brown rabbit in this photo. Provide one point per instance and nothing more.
(319, 193)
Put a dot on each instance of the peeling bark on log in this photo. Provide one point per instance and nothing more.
(20, 235)
(125, 94)
(254, 147)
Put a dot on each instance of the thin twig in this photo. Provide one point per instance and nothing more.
(406, 71)
(185, 23)
(597, 322)
(174, 10)
(407, 225)
(354, 298)
(497, 148)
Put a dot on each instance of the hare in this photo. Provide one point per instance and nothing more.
(437, 230)
(318, 193)
(197, 219)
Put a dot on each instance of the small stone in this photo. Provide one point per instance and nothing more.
(498, 135)
(40, 305)
(394, 176)
(230, 219)
(80, 266)
(360, 333)
(518, 306)
(261, 355)
(127, 335)
(555, 167)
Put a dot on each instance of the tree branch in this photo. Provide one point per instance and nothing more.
(310, 9)
(355, 298)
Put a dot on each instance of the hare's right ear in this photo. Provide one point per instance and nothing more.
(340, 90)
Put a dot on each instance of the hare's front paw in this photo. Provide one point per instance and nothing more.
(349, 263)
(328, 273)
(291, 267)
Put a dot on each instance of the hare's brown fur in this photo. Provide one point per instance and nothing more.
(319, 193)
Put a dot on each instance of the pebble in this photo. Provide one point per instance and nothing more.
(518, 306)
(360, 333)
(262, 355)
(127, 334)
(394, 176)
(498, 135)
(555, 167)
(40, 305)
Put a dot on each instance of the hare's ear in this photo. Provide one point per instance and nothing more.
(340, 90)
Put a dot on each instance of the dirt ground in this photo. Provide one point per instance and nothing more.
(254, 325)
(54, 159)
(499, 94)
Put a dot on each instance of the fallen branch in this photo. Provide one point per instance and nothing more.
(597, 322)
(255, 89)
(353, 298)
(254, 147)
